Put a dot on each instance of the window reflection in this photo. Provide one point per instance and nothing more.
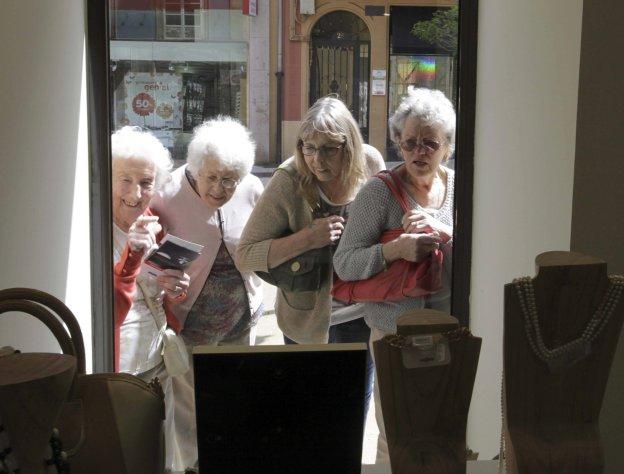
(176, 64)
(421, 55)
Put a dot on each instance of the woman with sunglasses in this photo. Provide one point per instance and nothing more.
(423, 130)
(208, 202)
(304, 207)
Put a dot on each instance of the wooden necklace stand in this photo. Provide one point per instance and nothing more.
(425, 407)
(553, 391)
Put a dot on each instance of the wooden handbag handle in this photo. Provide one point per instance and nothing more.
(49, 310)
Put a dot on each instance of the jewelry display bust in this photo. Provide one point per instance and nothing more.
(33, 388)
(561, 330)
(426, 374)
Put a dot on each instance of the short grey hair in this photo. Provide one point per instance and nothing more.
(133, 142)
(430, 107)
(225, 140)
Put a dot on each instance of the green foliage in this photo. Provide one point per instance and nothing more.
(441, 30)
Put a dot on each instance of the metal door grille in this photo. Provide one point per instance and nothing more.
(341, 67)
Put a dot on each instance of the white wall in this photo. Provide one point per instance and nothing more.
(527, 87)
(44, 237)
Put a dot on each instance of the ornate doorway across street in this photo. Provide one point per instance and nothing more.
(340, 63)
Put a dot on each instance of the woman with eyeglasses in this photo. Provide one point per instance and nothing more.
(304, 207)
(208, 202)
(423, 130)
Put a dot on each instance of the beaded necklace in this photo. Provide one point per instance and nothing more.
(559, 358)
(56, 463)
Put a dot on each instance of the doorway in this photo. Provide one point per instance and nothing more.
(340, 63)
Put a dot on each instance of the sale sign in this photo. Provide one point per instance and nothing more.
(152, 100)
(143, 104)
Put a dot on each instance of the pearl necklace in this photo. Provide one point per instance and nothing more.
(559, 358)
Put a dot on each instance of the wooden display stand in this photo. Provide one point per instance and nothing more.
(426, 408)
(33, 388)
(551, 406)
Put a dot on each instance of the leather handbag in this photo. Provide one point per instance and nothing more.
(402, 279)
(111, 422)
(305, 272)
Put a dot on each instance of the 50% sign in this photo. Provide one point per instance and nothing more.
(143, 104)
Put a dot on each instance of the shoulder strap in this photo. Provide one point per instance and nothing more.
(393, 182)
(160, 322)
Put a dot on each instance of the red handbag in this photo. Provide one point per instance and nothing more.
(402, 279)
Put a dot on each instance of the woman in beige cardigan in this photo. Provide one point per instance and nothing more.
(330, 165)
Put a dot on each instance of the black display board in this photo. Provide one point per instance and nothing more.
(280, 409)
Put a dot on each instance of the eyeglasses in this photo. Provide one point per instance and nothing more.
(227, 183)
(428, 145)
(325, 151)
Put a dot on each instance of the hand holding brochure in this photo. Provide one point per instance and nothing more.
(172, 253)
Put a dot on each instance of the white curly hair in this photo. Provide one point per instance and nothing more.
(224, 140)
(430, 107)
(133, 142)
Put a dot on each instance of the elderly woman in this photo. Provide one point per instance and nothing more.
(423, 130)
(140, 166)
(208, 202)
(309, 197)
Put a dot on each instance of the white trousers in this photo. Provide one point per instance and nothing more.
(383, 455)
(177, 439)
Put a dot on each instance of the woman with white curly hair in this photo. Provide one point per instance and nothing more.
(208, 202)
(140, 167)
(423, 131)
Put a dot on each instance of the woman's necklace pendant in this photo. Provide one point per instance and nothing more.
(576, 352)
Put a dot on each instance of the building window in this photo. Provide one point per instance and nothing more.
(182, 19)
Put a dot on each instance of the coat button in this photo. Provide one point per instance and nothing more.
(295, 266)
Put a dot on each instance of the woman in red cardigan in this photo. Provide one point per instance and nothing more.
(140, 166)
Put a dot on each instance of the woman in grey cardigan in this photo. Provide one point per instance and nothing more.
(423, 130)
(329, 167)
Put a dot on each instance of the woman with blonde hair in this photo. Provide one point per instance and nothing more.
(304, 207)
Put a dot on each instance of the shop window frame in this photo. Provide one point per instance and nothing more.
(99, 119)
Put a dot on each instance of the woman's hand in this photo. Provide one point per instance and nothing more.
(142, 234)
(319, 233)
(175, 283)
(324, 231)
(411, 247)
(419, 222)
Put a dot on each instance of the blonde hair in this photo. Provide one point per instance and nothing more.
(330, 116)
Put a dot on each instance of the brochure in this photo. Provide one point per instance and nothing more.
(173, 252)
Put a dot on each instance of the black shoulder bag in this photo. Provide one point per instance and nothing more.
(307, 271)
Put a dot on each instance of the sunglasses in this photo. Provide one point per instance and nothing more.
(428, 145)
(325, 151)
